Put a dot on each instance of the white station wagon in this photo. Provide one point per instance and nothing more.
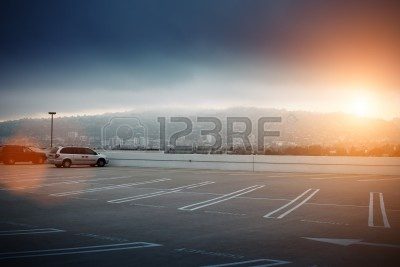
(67, 156)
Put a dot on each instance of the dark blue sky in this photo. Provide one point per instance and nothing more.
(117, 55)
(137, 26)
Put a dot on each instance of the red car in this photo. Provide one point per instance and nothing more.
(10, 154)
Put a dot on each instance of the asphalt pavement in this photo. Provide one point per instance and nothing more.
(125, 216)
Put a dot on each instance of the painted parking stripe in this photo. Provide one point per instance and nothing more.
(382, 208)
(67, 182)
(107, 188)
(45, 179)
(291, 203)
(75, 250)
(286, 205)
(41, 185)
(253, 263)
(41, 177)
(222, 198)
(159, 193)
(30, 232)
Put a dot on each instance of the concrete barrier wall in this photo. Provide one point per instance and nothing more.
(310, 164)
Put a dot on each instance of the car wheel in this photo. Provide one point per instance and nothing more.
(66, 163)
(101, 163)
(58, 165)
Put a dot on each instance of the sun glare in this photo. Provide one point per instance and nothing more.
(363, 103)
(361, 107)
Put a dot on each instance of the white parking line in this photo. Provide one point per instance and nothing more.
(371, 211)
(66, 182)
(107, 188)
(223, 198)
(384, 215)
(75, 250)
(159, 193)
(286, 205)
(39, 177)
(258, 262)
(269, 215)
(88, 179)
(30, 231)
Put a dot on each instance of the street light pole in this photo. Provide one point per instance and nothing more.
(52, 113)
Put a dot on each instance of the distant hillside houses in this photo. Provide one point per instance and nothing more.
(301, 133)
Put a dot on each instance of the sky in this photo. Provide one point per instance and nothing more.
(92, 57)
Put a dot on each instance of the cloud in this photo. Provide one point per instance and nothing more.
(90, 56)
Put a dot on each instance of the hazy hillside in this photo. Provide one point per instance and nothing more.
(298, 127)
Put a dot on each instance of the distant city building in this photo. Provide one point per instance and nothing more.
(72, 135)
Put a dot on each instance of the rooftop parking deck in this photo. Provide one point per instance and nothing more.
(126, 216)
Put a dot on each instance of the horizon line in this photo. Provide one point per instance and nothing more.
(145, 110)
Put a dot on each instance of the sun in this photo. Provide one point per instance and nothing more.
(370, 102)
(361, 106)
(362, 102)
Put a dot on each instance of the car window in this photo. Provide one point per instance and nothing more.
(79, 150)
(67, 150)
(89, 151)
